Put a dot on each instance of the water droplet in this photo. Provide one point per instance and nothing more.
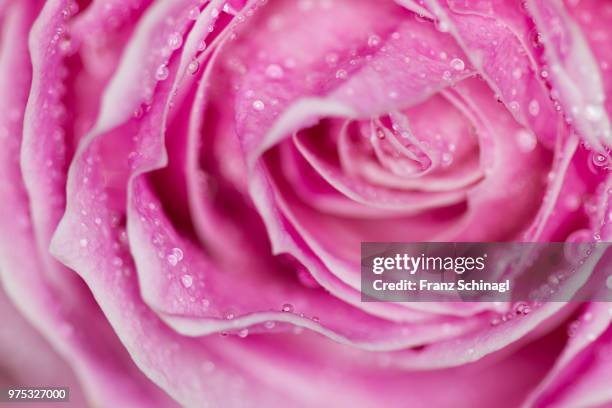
(274, 71)
(457, 64)
(341, 74)
(65, 45)
(517, 73)
(442, 26)
(258, 105)
(287, 307)
(572, 328)
(172, 259)
(193, 67)
(202, 45)
(331, 58)
(269, 324)
(187, 280)
(162, 72)
(175, 41)
(230, 316)
(373, 40)
(533, 107)
(178, 253)
(193, 14)
(243, 333)
(522, 309)
(599, 159)
(527, 141)
(447, 159)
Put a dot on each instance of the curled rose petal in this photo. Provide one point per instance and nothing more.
(189, 187)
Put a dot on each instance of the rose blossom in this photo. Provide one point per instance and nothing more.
(186, 185)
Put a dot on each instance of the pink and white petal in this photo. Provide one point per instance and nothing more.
(176, 278)
(497, 37)
(594, 18)
(574, 72)
(72, 324)
(576, 377)
(514, 174)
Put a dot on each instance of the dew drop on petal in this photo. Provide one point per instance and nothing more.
(572, 328)
(178, 253)
(187, 280)
(526, 140)
(599, 159)
(373, 40)
(287, 307)
(534, 107)
(331, 58)
(457, 64)
(162, 72)
(65, 46)
(175, 41)
(258, 105)
(442, 26)
(193, 14)
(193, 67)
(274, 71)
(243, 333)
(172, 259)
(341, 74)
(447, 159)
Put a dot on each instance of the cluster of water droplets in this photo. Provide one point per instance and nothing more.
(517, 310)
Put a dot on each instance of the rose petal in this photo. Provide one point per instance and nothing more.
(574, 72)
(28, 360)
(80, 334)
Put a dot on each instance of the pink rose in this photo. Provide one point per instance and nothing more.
(186, 184)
